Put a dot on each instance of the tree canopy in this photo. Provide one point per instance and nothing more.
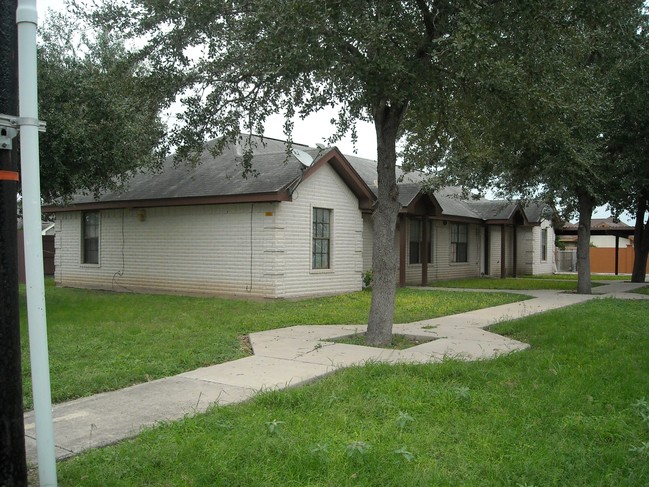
(536, 121)
(101, 106)
(628, 143)
(242, 61)
(507, 88)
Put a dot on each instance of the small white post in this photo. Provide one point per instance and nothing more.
(26, 18)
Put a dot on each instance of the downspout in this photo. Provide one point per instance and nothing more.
(252, 207)
(503, 253)
(515, 250)
(486, 250)
(424, 252)
(26, 18)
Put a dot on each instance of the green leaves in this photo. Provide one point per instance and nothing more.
(102, 109)
(404, 419)
(357, 449)
(405, 454)
(273, 426)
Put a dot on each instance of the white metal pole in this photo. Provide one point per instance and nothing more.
(26, 18)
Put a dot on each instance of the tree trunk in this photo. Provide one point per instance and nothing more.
(387, 119)
(640, 242)
(586, 205)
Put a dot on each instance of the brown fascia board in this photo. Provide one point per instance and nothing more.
(457, 219)
(511, 222)
(347, 173)
(278, 196)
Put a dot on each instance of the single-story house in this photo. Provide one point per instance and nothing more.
(300, 226)
(611, 246)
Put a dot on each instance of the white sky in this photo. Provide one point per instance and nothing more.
(315, 128)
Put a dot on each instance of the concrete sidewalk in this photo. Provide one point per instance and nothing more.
(287, 357)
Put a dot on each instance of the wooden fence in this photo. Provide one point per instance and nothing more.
(48, 255)
(602, 260)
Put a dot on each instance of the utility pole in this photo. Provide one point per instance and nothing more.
(13, 464)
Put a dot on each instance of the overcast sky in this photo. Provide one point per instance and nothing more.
(315, 128)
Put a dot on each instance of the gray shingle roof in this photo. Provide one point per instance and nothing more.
(409, 188)
(537, 211)
(213, 176)
(494, 209)
(275, 170)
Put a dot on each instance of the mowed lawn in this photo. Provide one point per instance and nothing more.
(573, 277)
(643, 290)
(102, 341)
(571, 410)
(510, 283)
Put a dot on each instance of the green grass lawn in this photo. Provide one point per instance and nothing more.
(573, 277)
(568, 411)
(642, 290)
(102, 341)
(510, 283)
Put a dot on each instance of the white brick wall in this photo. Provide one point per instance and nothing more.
(547, 266)
(196, 249)
(441, 267)
(324, 189)
(495, 233)
(525, 253)
(368, 241)
(245, 249)
(264, 250)
(528, 250)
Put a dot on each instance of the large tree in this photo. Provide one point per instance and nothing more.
(101, 106)
(378, 60)
(246, 60)
(541, 108)
(628, 144)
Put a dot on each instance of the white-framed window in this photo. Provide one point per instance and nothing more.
(321, 246)
(459, 242)
(544, 244)
(416, 240)
(90, 222)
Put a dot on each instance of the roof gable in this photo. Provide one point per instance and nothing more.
(347, 173)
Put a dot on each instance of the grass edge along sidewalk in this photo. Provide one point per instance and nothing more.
(103, 341)
(567, 411)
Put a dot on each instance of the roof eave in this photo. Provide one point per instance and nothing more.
(273, 197)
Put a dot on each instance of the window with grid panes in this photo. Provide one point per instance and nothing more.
(416, 241)
(90, 237)
(459, 242)
(321, 252)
